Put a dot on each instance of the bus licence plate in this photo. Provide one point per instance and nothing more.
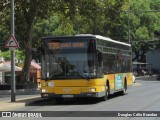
(67, 96)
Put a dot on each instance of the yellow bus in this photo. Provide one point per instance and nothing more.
(84, 66)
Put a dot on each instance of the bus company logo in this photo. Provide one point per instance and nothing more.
(6, 114)
(67, 90)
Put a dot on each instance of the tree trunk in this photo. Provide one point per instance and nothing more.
(137, 54)
(27, 62)
(28, 53)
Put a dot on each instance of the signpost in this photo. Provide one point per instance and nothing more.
(12, 44)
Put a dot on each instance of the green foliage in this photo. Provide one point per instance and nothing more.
(19, 55)
(142, 33)
(6, 55)
(68, 17)
(144, 21)
(4, 22)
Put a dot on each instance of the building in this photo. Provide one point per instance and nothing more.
(153, 58)
(35, 73)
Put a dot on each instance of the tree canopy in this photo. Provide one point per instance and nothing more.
(113, 18)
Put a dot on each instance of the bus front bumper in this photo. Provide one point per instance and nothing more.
(52, 95)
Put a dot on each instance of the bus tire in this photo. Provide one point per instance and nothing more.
(105, 97)
(123, 92)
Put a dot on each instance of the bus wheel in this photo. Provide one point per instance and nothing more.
(105, 97)
(123, 92)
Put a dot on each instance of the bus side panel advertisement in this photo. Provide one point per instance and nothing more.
(118, 81)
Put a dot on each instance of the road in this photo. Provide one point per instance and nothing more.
(142, 96)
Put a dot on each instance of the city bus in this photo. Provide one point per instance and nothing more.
(84, 66)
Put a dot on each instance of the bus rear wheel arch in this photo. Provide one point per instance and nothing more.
(123, 92)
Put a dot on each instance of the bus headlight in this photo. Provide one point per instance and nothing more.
(44, 90)
(92, 89)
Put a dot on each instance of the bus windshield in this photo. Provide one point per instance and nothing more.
(65, 59)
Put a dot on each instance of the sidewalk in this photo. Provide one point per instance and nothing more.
(7, 105)
(20, 91)
(146, 77)
(23, 98)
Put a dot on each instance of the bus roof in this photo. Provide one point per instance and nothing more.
(109, 39)
(89, 36)
(103, 38)
(73, 36)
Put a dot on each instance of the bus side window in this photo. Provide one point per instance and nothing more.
(100, 58)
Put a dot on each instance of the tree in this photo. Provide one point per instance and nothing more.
(140, 48)
(81, 17)
(157, 33)
(7, 55)
(26, 12)
(144, 21)
(4, 26)
(34, 19)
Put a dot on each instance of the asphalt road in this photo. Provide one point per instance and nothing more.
(144, 95)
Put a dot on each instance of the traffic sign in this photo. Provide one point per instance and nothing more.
(12, 42)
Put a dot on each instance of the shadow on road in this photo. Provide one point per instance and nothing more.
(72, 101)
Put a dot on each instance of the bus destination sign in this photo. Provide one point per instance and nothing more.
(66, 45)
